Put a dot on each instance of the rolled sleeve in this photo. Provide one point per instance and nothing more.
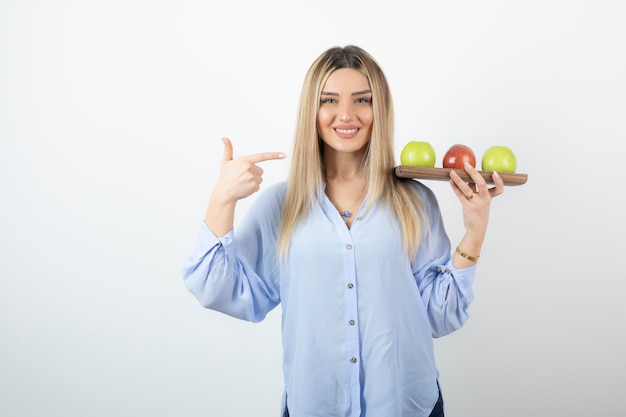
(450, 298)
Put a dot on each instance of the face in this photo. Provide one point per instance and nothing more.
(344, 120)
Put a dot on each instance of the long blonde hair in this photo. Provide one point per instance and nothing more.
(305, 185)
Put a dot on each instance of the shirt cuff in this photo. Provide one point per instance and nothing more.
(207, 240)
(464, 277)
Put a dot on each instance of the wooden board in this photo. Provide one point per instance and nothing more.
(443, 174)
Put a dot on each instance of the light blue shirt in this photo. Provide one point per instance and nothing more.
(358, 319)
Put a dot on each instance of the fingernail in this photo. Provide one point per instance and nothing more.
(468, 165)
(282, 156)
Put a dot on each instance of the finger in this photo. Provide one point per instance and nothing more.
(265, 156)
(465, 188)
(498, 184)
(479, 184)
(228, 150)
(256, 170)
(458, 191)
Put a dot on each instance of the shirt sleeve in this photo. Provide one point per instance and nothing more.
(236, 274)
(447, 292)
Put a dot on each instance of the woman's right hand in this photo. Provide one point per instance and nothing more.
(239, 178)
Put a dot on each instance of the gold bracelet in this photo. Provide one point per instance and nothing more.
(466, 256)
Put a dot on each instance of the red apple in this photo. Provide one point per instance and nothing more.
(457, 155)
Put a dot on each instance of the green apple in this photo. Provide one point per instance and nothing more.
(418, 153)
(499, 158)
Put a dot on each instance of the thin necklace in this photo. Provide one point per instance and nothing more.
(346, 214)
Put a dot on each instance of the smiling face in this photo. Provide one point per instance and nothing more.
(345, 115)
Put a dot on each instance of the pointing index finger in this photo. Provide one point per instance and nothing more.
(265, 156)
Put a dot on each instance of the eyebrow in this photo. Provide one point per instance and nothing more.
(356, 93)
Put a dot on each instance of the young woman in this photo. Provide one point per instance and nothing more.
(358, 259)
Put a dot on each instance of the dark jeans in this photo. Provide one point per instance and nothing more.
(437, 411)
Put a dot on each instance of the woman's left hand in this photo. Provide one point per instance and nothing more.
(475, 198)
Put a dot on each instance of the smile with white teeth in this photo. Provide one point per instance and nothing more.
(346, 131)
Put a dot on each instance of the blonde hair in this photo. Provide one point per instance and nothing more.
(305, 185)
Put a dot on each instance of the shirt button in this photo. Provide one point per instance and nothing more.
(351, 322)
(353, 360)
(348, 247)
(350, 285)
(359, 218)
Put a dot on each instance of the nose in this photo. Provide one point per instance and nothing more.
(346, 112)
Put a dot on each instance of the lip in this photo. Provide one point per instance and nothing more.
(347, 132)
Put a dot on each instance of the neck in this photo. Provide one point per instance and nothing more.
(343, 166)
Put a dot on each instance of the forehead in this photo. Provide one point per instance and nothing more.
(346, 79)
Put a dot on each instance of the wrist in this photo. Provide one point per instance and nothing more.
(470, 257)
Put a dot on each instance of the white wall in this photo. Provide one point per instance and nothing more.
(111, 115)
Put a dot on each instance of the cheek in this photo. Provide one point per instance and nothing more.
(367, 119)
(324, 118)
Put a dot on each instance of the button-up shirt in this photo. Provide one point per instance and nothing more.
(358, 317)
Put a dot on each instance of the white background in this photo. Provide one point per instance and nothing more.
(111, 114)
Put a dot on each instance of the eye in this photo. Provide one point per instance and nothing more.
(363, 100)
(327, 100)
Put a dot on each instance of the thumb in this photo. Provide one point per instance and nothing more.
(228, 150)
